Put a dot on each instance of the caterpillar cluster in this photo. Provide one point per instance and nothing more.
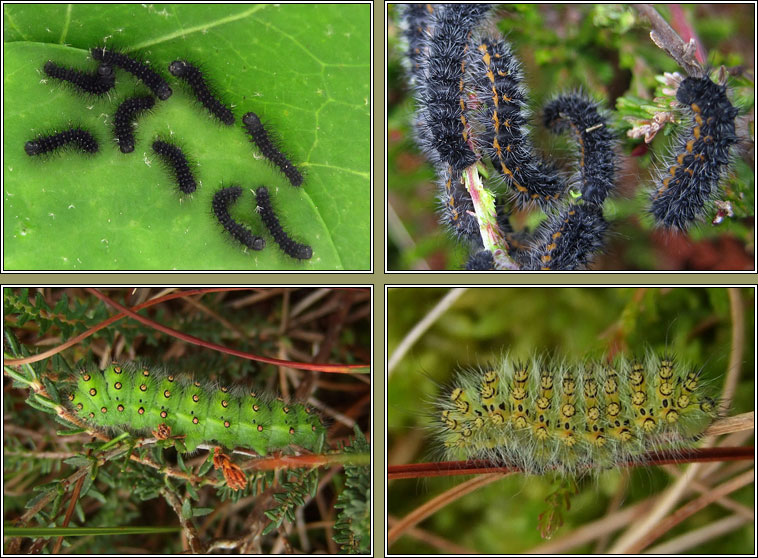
(471, 107)
(547, 414)
(140, 400)
(103, 79)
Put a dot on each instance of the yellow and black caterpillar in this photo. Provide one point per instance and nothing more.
(547, 414)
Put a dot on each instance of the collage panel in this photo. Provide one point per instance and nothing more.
(555, 420)
(187, 137)
(203, 419)
(570, 137)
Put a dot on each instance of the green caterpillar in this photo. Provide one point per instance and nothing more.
(546, 414)
(139, 400)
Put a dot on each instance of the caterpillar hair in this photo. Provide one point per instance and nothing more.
(481, 261)
(125, 118)
(550, 414)
(270, 219)
(222, 199)
(77, 137)
(415, 23)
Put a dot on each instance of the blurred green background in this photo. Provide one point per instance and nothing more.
(606, 51)
(693, 322)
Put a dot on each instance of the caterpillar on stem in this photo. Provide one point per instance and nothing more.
(547, 414)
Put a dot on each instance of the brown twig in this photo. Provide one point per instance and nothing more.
(335, 368)
(668, 40)
(486, 466)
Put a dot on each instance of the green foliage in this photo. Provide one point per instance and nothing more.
(352, 530)
(303, 68)
(557, 502)
(299, 486)
(68, 317)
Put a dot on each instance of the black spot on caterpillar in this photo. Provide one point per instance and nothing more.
(289, 246)
(78, 137)
(260, 137)
(124, 120)
(139, 399)
(98, 82)
(173, 156)
(203, 92)
(137, 68)
(221, 201)
(548, 414)
(702, 155)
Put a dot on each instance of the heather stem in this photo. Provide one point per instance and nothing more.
(486, 215)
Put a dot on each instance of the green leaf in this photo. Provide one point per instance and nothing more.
(186, 509)
(305, 69)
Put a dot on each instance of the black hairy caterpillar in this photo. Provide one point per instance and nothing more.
(138, 69)
(177, 160)
(140, 400)
(78, 137)
(567, 241)
(441, 96)
(702, 155)
(221, 201)
(597, 160)
(124, 120)
(472, 106)
(98, 82)
(497, 79)
(260, 137)
(289, 246)
(547, 414)
(197, 82)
